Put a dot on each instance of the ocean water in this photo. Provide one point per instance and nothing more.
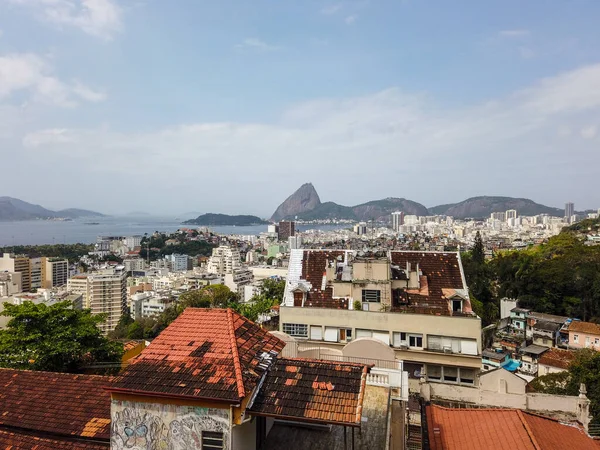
(36, 232)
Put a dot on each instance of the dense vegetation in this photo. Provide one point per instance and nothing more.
(212, 296)
(54, 338)
(559, 277)
(210, 219)
(72, 252)
(585, 369)
(158, 241)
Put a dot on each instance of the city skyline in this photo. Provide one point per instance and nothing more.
(117, 107)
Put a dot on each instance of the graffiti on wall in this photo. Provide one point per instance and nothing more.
(153, 426)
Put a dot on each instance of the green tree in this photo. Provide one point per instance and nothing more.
(55, 338)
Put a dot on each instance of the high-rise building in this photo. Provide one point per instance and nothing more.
(501, 216)
(569, 210)
(295, 242)
(132, 241)
(361, 228)
(36, 274)
(18, 263)
(397, 220)
(55, 272)
(134, 264)
(179, 263)
(510, 214)
(224, 260)
(286, 229)
(10, 283)
(411, 219)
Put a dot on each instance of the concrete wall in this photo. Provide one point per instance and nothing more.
(464, 327)
(136, 425)
(547, 402)
(243, 437)
(369, 348)
(546, 370)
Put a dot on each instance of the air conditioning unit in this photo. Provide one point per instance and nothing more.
(447, 350)
(403, 347)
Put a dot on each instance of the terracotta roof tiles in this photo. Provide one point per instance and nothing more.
(584, 327)
(556, 357)
(313, 391)
(20, 441)
(205, 353)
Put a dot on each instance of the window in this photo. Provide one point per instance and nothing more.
(371, 295)
(399, 339)
(434, 372)
(456, 305)
(331, 334)
(415, 340)
(363, 333)
(212, 440)
(296, 329)
(383, 336)
(316, 333)
(452, 344)
(576, 338)
(451, 374)
(467, 376)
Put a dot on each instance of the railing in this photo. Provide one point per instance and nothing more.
(594, 430)
(378, 379)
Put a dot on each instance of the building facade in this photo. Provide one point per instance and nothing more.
(286, 229)
(397, 220)
(224, 260)
(18, 263)
(55, 272)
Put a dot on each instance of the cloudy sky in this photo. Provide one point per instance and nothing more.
(230, 105)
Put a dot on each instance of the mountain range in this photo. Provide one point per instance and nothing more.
(13, 209)
(305, 204)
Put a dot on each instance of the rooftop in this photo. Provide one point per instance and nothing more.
(548, 317)
(205, 353)
(534, 349)
(584, 327)
(556, 357)
(313, 391)
(60, 404)
(520, 310)
(501, 429)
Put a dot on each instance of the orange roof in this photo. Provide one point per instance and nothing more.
(205, 353)
(18, 439)
(501, 429)
(585, 327)
(556, 357)
(313, 391)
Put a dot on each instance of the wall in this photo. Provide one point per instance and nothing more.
(142, 426)
(582, 340)
(545, 370)
(243, 437)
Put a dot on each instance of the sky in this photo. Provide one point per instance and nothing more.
(229, 106)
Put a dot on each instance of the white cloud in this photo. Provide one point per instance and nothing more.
(589, 132)
(31, 73)
(99, 18)
(331, 9)
(257, 45)
(526, 53)
(49, 137)
(514, 33)
(350, 19)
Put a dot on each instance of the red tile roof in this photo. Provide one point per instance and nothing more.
(20, 440)
(59, 403)
(313, 391)
(205, 353)
(314, 263)
(584, 327)
(556, 357)
(501, 429)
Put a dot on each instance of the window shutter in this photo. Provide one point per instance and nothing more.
(468, 347)
(363, 333)
(383, 337)
(434, 342)
(331, 334)
(316, 333)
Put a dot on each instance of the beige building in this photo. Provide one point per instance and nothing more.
(415, 302)
(55, 272)
(224, 259)
(18, 263)
(10, 283)
(103, 293)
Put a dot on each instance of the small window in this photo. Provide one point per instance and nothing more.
(467, 376)
(371, 295)
(456, 305)
(450, 374)
(415, 340)
(296, 329)
(212, 440)
(399, 339)
(434, 372)
(576, 338)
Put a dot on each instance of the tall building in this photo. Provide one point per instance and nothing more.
(132, 241)
(179, 263)
(224, 260)
(569, 210)
(397, 220)
(36, 273)
(103, 293)
(510, 214)
(360, 228)
(55, 272)
(10, 283)
(501, 216)
(295, 242)
(286, 229)
(411, 219)
(18, 263)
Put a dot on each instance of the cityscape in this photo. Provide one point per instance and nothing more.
(309, 225)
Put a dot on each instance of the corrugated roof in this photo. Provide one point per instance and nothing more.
(205, 353)
(60, 403)
(313, 391)
(501, 429)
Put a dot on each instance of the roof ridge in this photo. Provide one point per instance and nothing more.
(332, 361)
(236, 357)
(528, 429)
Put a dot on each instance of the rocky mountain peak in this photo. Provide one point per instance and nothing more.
(303, 200)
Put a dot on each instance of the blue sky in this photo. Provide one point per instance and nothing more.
(229, 106)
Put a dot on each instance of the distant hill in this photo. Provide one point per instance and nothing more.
(13, 209)
(211, 219)
(305, 204)
(304, 200)
(482, 207)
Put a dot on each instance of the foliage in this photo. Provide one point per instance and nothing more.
(54, 338)
(271, 294)
(585, 369)
(158, 241)
(357, 305)
(479, 277)
(72, 252)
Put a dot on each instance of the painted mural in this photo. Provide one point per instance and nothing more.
(153, 426)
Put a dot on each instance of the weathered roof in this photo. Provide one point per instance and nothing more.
(584, 327)
(546, 325)
(495, 356)
(313, 391)
(520, 310)
(58, 403)
(501, 429)
(547, 317)
(534, 349)
(314, 263)
(556, 357)
(20, 440)
(205, 353)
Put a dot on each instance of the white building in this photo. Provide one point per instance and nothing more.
(360, 229)
(10, 283)
(411, 219)
(224, 260)
(295, 242)
(134, 264)
(179, 263)
(397, 220)
(147, 304)
(237, 280)
(132, 241)
(510, 214)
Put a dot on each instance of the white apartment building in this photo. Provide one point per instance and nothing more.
(134, 264)
(147, 304)
(295, 242)
(237, 280)
(179, 263)
(132, 241)
(510, 214)
(397, 220)
(10, 283)
(224, 260)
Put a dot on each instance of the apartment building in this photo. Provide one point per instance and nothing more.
(285, 230)
(103, 293)
(55, 272)
(134, 264)
(10, 283)
(415, 302)
(20, 264)
(36, 274)
(224, 259)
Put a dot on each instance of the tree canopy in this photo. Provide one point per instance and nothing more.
(54, 338)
